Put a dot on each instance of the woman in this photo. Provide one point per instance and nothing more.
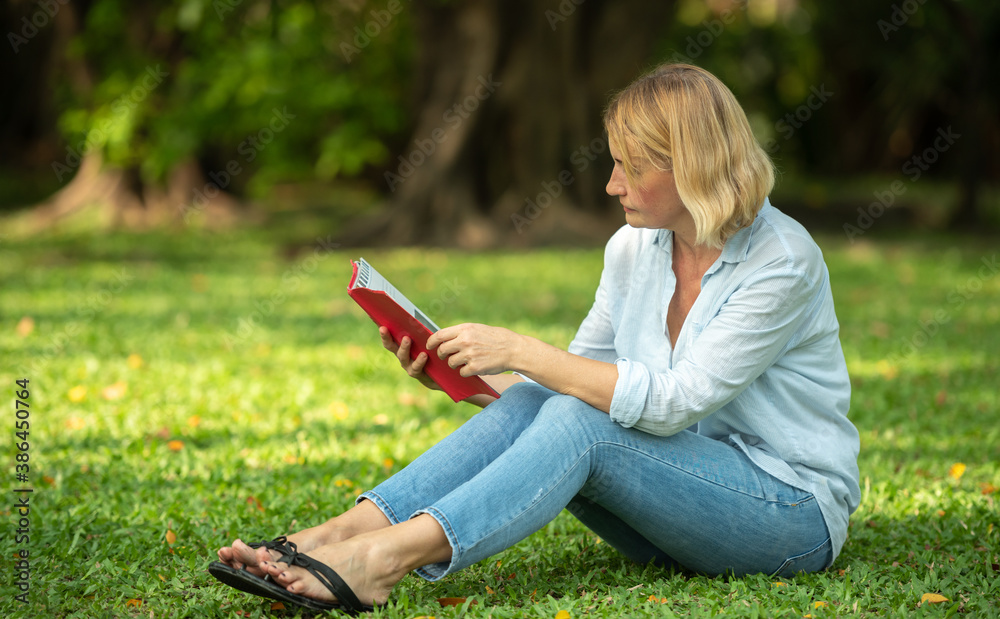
(698, 419)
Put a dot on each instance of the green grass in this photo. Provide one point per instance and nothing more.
(282, 417)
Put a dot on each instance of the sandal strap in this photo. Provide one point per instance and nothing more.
(332, 581)
(281, 545)
(288, 551)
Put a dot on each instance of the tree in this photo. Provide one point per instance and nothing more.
(173, 106)
(508, 134)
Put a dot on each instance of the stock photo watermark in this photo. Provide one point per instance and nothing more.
(796, 119)
(30, 28)
(901, 13)
(582, 158)
(363, 36)
(913, 168)
(563, 12)
(98, 134)
(453, 117)
(249, 148)
(711, 30)
(22, 506)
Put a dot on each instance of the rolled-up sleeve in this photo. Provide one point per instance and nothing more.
(631, 392)
(752, 329)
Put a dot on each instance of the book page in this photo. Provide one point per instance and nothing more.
(371, 279)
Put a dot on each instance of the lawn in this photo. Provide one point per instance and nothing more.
(188, 389)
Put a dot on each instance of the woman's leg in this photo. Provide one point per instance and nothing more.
(461, 455)
(694, 500)
(699, 502)
(435, 473)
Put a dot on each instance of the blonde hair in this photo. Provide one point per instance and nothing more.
(682, 118)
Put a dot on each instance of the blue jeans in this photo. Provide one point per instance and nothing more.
(684, 500)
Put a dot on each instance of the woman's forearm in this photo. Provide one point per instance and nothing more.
(589, 380)
(481, 350)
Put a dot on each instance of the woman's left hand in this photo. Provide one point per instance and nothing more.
(476, 349)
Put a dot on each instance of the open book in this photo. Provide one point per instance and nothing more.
(389, 308)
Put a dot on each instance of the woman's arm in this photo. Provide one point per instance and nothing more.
(481, 350)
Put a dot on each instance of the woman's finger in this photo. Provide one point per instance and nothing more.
(387, 341)
(403, 353)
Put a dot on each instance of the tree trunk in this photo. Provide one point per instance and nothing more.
(111, 197)
(105, 195)
(508, 146)
(975, 116)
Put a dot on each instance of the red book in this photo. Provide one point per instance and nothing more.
(390, 309)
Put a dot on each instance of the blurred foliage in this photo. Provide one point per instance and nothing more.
(219, 80)
(152, 84)
(893, 73)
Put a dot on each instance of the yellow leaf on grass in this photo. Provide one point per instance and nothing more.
(819, 604)
(490, 590)
(562, 614)
(134, 361)
(77, 394)
(25, 326)
(339, 411)
(134, 603)
(75, 423)
(171, 536)
(933, 598)
(957, 470)
(277, 606)
(254, 501)
(886, 369)
(114, 391)
(451, 601)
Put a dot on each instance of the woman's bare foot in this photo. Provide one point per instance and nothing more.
(369, 574)
(361, 518)
(370, 563)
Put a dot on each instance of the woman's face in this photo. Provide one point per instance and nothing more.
(655, 203)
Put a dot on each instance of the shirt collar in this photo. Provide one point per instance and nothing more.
(736, 249)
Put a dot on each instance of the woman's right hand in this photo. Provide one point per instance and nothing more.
(413, 367)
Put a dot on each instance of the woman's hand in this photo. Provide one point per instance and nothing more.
(413, 367)
(477, 350)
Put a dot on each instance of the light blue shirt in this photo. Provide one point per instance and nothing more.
(758, 361)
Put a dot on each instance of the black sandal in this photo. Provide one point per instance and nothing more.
(244, 581)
